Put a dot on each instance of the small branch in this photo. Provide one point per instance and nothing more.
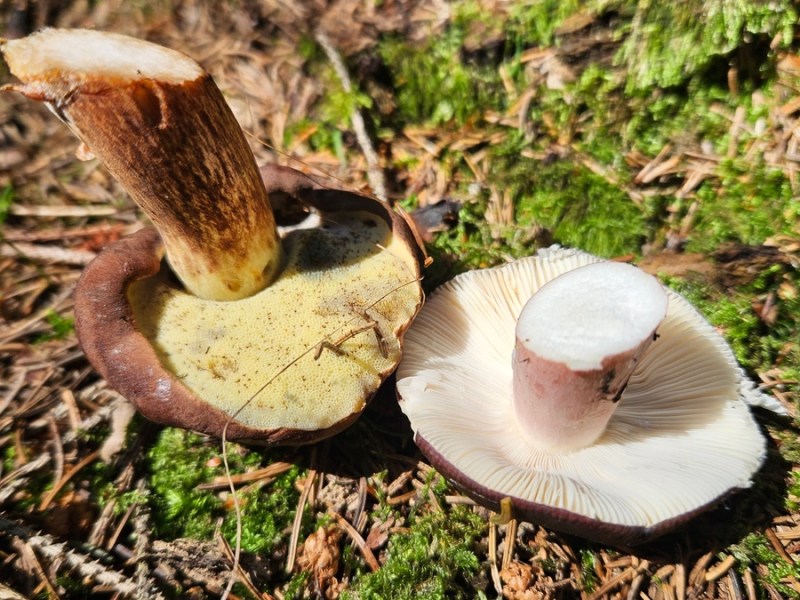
(47, 548)
(374, 172)
(353, 534)
(146, 585)
(47, 253)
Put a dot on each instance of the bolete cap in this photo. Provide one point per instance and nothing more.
(680, 438)
(212, 321)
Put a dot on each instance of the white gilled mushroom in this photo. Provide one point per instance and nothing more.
(588, 411)
(239, 335)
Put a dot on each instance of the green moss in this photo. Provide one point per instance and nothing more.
(435, 85)
(296, 588)
(60, 327)
(687, 116)
(6, 200)
(581, 209)
(266, 514)
(668, 42)
(468, 245)
(755, 550)
(535, 23)
(9, 458)
(793, 497)
(179, 461)
(750, 203)
(789, 447)
(338, 104)
(434, 560)
(589, 579)
(756, 346)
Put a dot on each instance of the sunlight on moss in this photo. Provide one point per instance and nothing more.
(589, 579)
(180, 461)
(669, 42)
(266, 514)
(534, 23)
(435, 559)
(582, 210)
(754, 551)
(435, 86)
(757, 346)
(60, 327)
(751, 203)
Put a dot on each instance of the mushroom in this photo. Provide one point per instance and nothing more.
(593, 399)
(277, 339)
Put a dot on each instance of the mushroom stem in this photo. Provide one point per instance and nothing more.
(160, 125)
(578, 340)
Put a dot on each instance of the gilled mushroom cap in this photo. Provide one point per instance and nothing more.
(681, 438)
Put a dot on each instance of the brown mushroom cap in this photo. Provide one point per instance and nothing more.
(681, 438)
(197, 364)
(213, 322)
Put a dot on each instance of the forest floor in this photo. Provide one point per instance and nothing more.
(669, 140)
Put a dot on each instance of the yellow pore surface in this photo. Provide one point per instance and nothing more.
(350, 283)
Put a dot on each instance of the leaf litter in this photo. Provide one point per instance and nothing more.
(366, 501)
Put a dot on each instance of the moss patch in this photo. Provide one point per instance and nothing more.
(435, 559)
(180, 461)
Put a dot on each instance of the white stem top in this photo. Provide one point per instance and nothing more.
(587, 315)
(84, 52)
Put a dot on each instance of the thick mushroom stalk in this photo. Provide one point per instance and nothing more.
(574, 352)
(135, 105)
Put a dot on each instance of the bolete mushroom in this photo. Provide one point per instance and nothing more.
(282, 340)
(597, 401)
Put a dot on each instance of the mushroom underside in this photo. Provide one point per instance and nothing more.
(293, 363)
(681, 438)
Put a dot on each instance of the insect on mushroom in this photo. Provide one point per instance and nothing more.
(582, 392)
(227, 334)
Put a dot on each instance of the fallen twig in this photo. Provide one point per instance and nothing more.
(374, 172)
(48, 254)
(46, 547)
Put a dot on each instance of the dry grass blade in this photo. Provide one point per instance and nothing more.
(510, 542)
(498, 584)
(47, 254)
(719, 570)
(291, 556)
(374, 172)
(369, 557)
(51, 495)
(269, 473)
(25, 469)
(779, 547)
(32, 562)
(68, 210)
(243, 576)
(614, 582)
